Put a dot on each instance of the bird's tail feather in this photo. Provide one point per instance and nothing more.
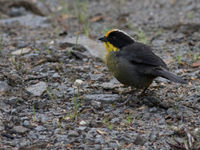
(170, 76)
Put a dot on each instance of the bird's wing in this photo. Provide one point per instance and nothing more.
(142, 54)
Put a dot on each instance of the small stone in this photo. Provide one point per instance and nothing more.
(82, 122)
(115, 120)
(110, 85)
(96, 104)
(40, 128)
(37, 89)
(139, 140)
(57, 131)
(15, 12)
(27, 123)
(4, 87)
(56, 75)
(104, 98)
(73, 133)
(22, 51)
(153, 109)
(20, 129)
(82, 128)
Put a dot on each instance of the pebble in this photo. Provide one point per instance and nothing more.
(81, 128)
(20, 129)
(96, 104)
(104, 98)
(27, 123)
(37, 89)
(4, 87)
(82, 122)
(115, 120)
(22, 51)
(56, 75)
(73, 133)
(110, 85)
(40, 128)
(139, 140)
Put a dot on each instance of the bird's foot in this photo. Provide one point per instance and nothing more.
(127, 100)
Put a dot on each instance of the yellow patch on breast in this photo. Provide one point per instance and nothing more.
(109, 47)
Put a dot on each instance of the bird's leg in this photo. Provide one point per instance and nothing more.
(143, 92)
(128, 99)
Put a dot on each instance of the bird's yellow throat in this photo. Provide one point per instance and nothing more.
(110, 48)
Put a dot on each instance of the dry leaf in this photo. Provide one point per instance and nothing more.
(196, 64)
(97, 18)
(101, 132)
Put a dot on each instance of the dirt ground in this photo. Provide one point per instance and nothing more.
(57, 93)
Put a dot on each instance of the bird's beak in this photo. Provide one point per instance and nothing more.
(103, 39)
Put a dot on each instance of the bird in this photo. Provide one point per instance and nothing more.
(133, 63)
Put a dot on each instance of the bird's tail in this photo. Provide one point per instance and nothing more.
(170, 76)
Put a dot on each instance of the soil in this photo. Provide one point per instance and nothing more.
(57, 93)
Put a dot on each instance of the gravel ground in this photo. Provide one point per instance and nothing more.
(57, 93)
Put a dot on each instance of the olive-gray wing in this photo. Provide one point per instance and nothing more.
(141, 54)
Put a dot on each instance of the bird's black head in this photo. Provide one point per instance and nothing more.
(117, 38)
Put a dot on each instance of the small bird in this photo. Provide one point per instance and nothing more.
(133, 63)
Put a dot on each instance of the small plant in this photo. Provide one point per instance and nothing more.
(59, 124)
(190, 15)
(108, 124)
(63, 9)
(1, 43)
(129, 118)
(69, 51)
(195, 57)
(49, 94)
(74, 114)
(175, 109)
(33, 117)
(14, 63)
(142, 36)
(179, 59)
(47, 50)
(77, 37)
(159, 32)
(80, 8)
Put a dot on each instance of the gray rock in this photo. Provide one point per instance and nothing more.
(28, 20)
(139, 140)
(27, 123)
(33, 135)
(73, 133)
(95, 77)
(2, 127)
(25, 143)
(61, 137)
(4, 87)
(104, 98)
(153, 109)
(37, 89)
(115, 120)
(96, 104)
(56, 75)
(94, 48)
(110, 85)
(20, 129)
(81, 128)
(40, 128)
(14, 12)
(22, 51)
